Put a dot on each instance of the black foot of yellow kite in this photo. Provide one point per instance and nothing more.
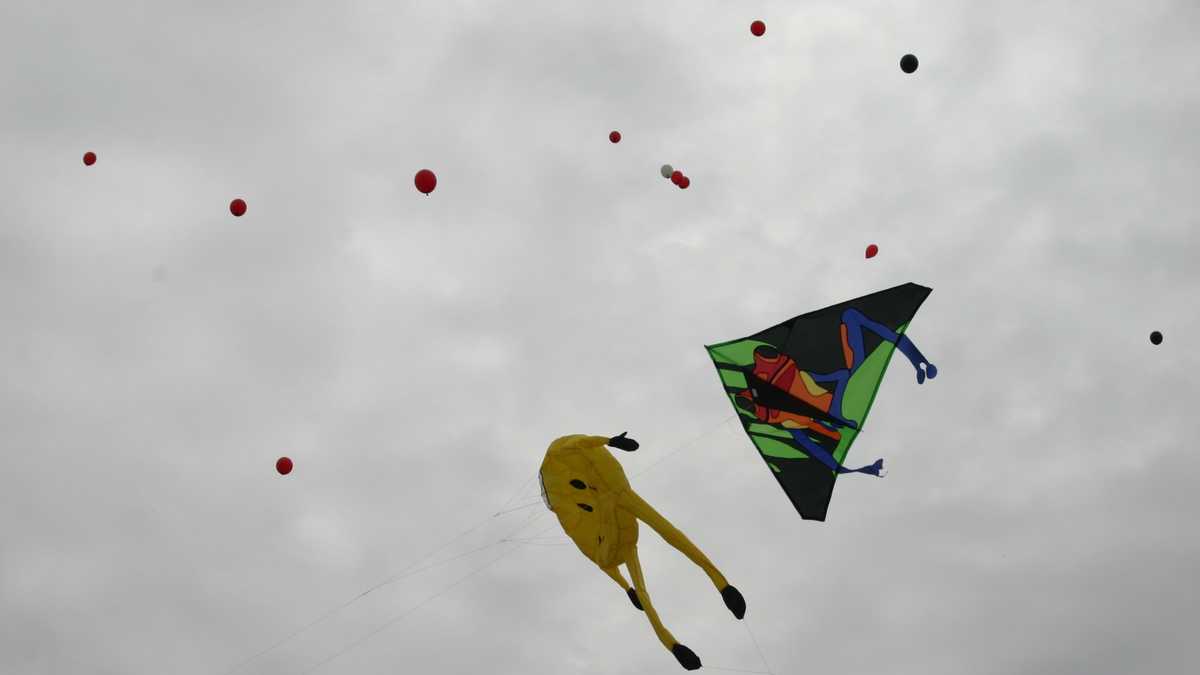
(633, 597)
(686, 657)
(584, 485)
(734, 601)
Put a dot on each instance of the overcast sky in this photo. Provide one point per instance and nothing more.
(415, 356)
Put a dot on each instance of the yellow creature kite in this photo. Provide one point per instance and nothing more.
(584, 485)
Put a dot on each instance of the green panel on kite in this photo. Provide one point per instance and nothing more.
(800, 388)
(733, 378)
(735, 353)
(776, 449)
(767, 430)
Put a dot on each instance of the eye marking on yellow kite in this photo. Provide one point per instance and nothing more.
(577, 462)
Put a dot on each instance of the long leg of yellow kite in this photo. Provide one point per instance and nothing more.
(614, 573)
(686, 657)
(632, 502)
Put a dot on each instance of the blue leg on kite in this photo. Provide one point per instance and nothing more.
(823, 456)
(839, 379)
(853, 322)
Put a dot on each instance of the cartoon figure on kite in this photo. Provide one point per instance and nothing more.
(586, 488)
(801, 396)
(781, 372)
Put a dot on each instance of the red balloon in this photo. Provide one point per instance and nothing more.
(89, 158)
(872, 250)
(684, 182)
(615, 137)
(237, 207)
(425, 181)
(676, 176)
(758, 28)
(283, 466)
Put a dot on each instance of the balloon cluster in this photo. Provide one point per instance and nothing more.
(676, 176)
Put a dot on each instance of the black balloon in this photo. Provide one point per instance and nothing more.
(1156, 338)
(908, 63)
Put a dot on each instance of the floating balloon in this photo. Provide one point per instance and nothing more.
(872, 250)
(615, 137)
(1156, 338)
(676, 176)
(237, 207)
(666, 170)
(684, 183)
(758, 28)
(425, 181)
(908, 63)
(284, 466)
(89, 158)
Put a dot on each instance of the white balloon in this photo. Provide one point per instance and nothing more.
(666, 171)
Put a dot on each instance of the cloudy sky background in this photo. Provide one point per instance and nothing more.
(416, 355)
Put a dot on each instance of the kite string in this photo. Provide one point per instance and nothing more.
(757, 648)
(411, 610)
(433, 597)
(684, 446)
(518, 508)
(406, 572)
(409, 571)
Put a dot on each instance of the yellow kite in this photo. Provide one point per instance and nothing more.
(584, 485)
